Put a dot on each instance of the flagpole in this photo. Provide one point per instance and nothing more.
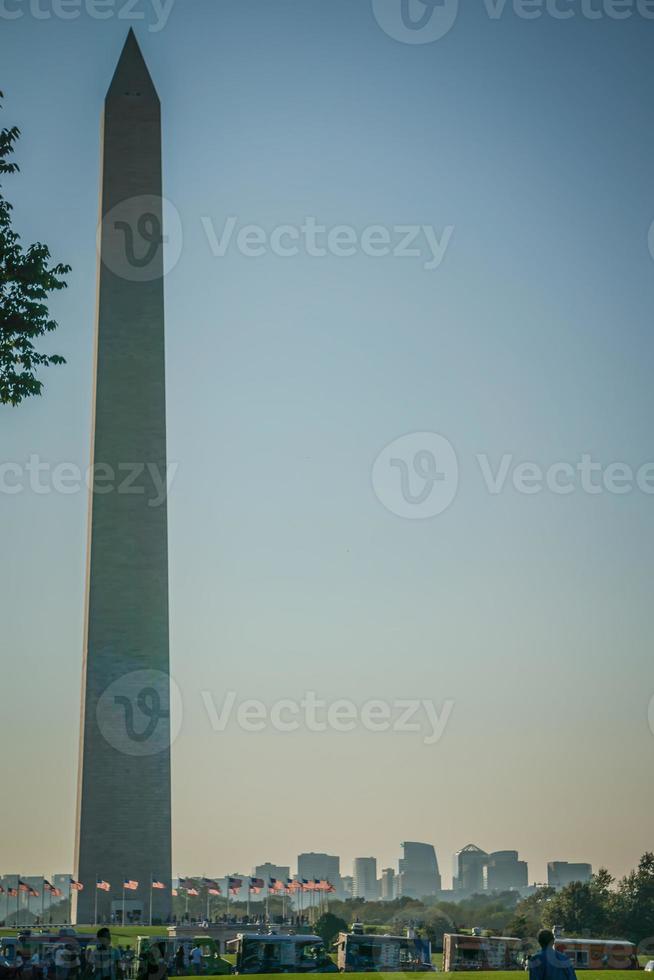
(151, 890)
(123, 922)
(43, 902)
(95, 909)
(248, 912)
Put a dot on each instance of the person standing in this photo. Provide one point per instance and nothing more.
(60, 962)
(157, 965)
(549, 964)
(104, 957)
(71, 962)
(180, 961)
(196, 960)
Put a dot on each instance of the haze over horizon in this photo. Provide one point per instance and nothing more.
(519, 622)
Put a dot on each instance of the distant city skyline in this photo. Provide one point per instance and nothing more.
(475, 871)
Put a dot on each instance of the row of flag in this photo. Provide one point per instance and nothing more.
(22, 886)
(255, 885)
(188, 886)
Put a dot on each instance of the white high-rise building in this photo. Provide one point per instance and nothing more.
(365, 879)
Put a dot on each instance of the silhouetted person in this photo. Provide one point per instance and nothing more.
(549, 964)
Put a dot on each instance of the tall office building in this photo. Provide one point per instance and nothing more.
(418, 870)
(279, 871)
(365, 879)
(469, 864)
(325, 867)
(387, 885)
(504, 871)
(562, 873)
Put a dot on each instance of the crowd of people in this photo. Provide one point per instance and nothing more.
(103, 961)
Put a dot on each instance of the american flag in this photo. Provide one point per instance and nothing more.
(103, 885)
(234, 885)
(77, 886)
(192, 891)
(57, 892)
(32, 892)
(47, 887)
(158, 884)
(22, 887)
(213, 888)
(12, 892)
(2, 891)
(174, 892)
(256, 884)
(130, 885)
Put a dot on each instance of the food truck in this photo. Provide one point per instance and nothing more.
(213, 963)
(366, 953)
(599, 954)
(285, 953)
(476, 952)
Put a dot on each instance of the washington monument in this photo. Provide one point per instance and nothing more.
(123, 809)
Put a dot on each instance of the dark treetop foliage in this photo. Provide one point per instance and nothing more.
(26, 279)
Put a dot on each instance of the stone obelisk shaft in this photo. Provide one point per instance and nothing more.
(124, 794)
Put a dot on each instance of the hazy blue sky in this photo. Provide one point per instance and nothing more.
(287, 376)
